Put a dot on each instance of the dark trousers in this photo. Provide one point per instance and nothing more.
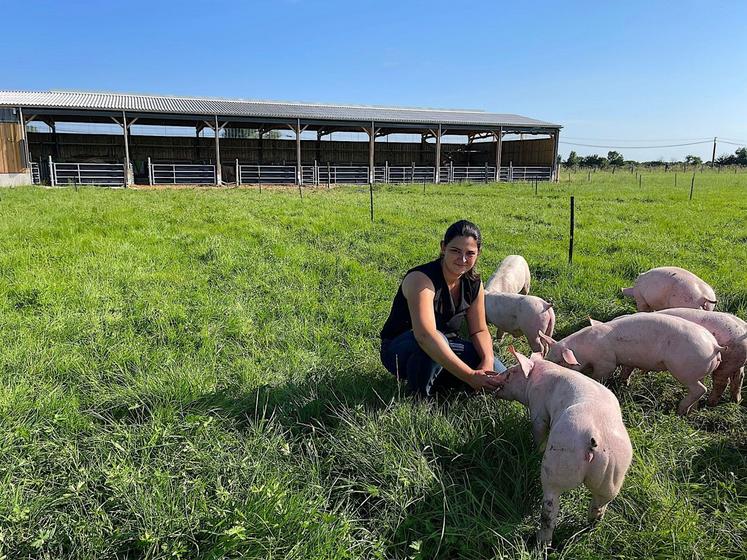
(405, 359)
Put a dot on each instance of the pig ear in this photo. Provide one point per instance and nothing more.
(594, 322)
(525, 363)
(570, 357)
(546, 338)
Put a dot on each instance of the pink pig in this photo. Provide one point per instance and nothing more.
(512, 276)
(730, 331)
(670, 286)
(519, 314)
(647, 341)
(578, 425)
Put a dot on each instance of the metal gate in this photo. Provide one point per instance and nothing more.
(270, 174)
(105, 174)
(35, 175)
(181, 174)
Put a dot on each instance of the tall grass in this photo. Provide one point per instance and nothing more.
(195, 374)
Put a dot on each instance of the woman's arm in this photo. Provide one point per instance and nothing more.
(420, 292)
(478, 330)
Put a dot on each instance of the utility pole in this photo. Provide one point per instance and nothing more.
(713, 157)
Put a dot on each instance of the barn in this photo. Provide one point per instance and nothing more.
(114, 139)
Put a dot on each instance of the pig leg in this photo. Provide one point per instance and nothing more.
(539, 432)
(549, 517)
(625, 373)
(598, 507)
(536, 344)
(602, 370)
(720, 380)
(736, 385)
(695, 390)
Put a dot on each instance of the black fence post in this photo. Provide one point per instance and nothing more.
(573, 222)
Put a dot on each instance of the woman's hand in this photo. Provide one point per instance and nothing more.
(484, 380)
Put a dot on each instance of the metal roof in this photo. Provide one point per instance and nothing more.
(204, 106)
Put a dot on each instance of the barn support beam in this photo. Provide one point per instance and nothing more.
(298, 130)
(217, 128)
(438, 154)
(498, 153)
(556, 138)
(371, 144)
(26, 154)
(129, 177)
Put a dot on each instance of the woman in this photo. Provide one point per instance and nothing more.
(419, 341)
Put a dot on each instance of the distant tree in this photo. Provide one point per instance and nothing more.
(573, 159)
(741, 156)
(615, 158)
(693, 160)
(594, 160)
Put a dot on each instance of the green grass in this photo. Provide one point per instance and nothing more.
(195, 374)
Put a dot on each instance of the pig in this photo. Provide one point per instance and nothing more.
(520, 314)
(669, 286)
(648, 341)
(512, 276)
(730, 331)
(577, 424)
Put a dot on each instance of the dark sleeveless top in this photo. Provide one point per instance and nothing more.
(449, 314)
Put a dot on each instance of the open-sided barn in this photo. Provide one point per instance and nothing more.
(124, 139)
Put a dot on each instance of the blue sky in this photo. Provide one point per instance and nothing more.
(623, 74)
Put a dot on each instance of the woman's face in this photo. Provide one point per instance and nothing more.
(460, 254)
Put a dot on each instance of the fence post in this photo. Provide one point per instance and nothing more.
(150, 172)
(238, 173)
(451, 172)
(52, 178)
(412, 173)
(486, 171)
(573, 221)
(692, 186)
(329, 175)
(386, 172)
(78, 166)
(315, 179)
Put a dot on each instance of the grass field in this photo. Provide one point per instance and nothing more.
(195, 374)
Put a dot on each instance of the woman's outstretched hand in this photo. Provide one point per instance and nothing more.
(484, 380)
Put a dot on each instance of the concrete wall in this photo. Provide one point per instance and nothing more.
(15, 179)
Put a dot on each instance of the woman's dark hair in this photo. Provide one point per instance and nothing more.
(465, 228)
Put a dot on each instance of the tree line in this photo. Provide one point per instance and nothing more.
(616, 159)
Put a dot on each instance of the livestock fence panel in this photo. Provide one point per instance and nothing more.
(405, 174)
(472, 173)
(270, 174)
(35, 174)
(181, 174)
(526, 173)
(343, 174)
(105, 174)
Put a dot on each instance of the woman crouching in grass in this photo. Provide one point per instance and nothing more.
(419, 341)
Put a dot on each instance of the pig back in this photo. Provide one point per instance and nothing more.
(671, 286)
(657, 341)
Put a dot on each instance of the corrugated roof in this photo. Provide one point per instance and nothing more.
(249, 108)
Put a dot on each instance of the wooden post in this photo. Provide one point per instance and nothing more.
(536, 184)
(150, 172)
(438, 155)
(329, 175)
(127, 151)
(371, 142)
(238, 173)
(51, 173)
(556, 136)
(218, 172)
(498, 153)
(640, 181)
(713, 156)
(675, 178)
(299, 174)
(573, 221)
(692, 186)
(370, 190)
